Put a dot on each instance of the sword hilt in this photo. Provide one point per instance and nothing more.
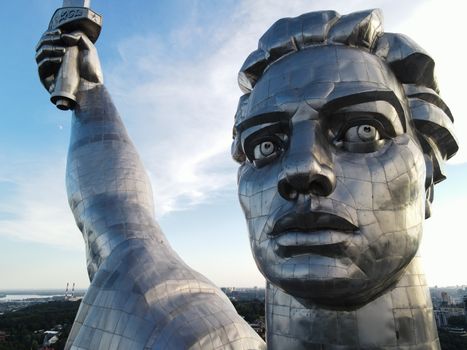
(69, 19)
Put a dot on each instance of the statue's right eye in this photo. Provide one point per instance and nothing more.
(265, 149)
(262, 149)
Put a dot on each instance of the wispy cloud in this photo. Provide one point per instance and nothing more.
(178, 94)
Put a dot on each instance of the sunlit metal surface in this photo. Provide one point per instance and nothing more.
(341, 135)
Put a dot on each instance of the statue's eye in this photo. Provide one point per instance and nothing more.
(361, 138)
(361, 133)
(264, 144)
(264, 149)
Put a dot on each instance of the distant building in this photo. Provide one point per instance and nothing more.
(446, 299)
(452, 311)
(440, 318)
(260, 327)
(50, 338)
(244, 294)
(443, 313)
(3, 336)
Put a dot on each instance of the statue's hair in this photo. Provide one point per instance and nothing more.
(411, 65)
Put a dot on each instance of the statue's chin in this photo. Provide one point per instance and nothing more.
(337, 293)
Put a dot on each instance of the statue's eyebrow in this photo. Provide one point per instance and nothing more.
(367, 96)
(263, 118)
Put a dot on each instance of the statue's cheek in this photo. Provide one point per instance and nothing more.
(390, 179)
(404, 170)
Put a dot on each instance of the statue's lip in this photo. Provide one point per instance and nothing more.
(310, 222)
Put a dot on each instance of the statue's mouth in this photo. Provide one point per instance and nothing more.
(325, 243)
(317, 233)
(310, 222)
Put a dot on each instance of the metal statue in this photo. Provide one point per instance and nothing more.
(340, 136)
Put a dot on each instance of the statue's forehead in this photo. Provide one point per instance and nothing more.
(318, 75)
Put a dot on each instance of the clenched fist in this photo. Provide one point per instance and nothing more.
(67, 63)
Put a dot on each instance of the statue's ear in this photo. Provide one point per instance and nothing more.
(429, 185)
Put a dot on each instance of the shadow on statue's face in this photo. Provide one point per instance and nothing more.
(333, 186)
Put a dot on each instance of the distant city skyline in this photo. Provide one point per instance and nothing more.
(169, 81)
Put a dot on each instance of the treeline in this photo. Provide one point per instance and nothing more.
(251, 310)
(24, 326)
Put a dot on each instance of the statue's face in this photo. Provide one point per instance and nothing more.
(333, 186)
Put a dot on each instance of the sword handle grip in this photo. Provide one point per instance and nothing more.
(67, 81)
(70, 19)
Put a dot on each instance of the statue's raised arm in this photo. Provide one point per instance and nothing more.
(142, 295)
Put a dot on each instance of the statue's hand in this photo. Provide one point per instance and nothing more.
(50, 53)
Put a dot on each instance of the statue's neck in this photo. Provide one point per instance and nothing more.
(400, 318)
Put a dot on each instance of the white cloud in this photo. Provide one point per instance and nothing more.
(178, 94)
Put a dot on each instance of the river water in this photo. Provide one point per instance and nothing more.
(20, 297)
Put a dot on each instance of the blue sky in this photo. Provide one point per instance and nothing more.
(171, 68)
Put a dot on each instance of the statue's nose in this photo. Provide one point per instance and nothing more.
(307, 166)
